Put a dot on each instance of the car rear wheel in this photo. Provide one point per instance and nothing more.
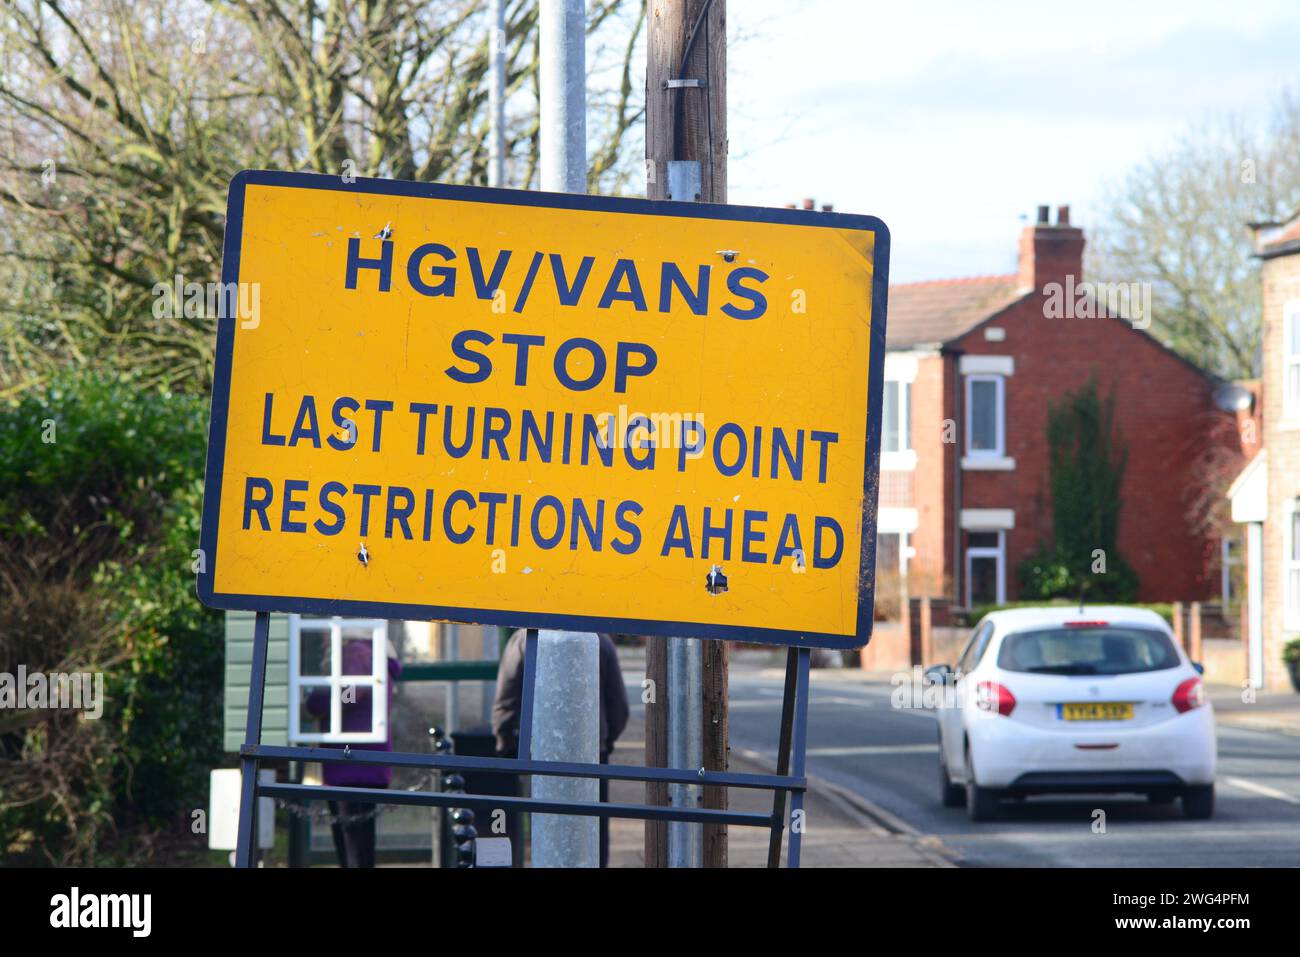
(1198, 802)
(981, 803)
(952, 795)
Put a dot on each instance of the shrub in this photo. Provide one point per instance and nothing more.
(100, 490)
(1047, 574)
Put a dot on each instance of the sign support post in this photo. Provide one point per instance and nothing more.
(497, 93)
(567, 692)
(686, 160)
(685, 744)
(799, 747)
(246, 853)
(563, 89)
(566, 726)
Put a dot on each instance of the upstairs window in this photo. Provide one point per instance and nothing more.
(985, 416)
(896, 417)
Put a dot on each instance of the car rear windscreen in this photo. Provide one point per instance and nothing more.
(1087, 651)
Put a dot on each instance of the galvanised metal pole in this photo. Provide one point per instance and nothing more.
(685, 656)
(566, 709)
(562, 26)
(685, 745)
(566, 727)
(497, 93)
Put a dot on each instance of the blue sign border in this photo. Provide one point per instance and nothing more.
(526, 619)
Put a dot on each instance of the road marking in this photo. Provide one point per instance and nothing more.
(873, 749)
(839, 699)
(1260, 789)
(774, 703)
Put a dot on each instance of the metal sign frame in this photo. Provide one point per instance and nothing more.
(789, 778)
(536, 618)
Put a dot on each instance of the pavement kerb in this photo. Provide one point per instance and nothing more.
(867, 814)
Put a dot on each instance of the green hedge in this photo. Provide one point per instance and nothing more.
(100, 495)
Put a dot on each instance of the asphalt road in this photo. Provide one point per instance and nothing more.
(857, 740)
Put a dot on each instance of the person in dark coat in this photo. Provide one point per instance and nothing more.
(613, 711)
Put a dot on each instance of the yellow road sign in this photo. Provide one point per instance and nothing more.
(546, 410)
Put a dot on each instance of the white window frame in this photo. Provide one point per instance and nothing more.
(999, 418)
(985, 551)
(1290, 360)
(904, 457)
(1290, 566)
(336, 681)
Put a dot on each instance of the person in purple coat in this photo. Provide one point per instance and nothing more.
(354, 822)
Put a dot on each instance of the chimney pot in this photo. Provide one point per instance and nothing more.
(809, 204)
(1050, 254)
(828, 207)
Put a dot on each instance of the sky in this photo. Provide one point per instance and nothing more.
(953, 120)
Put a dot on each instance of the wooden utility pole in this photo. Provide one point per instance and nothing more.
(687, 122)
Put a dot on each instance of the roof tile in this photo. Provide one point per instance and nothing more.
(939, 311)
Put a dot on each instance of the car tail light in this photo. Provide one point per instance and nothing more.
(1086, 624)
(991, 696)
(1188, 695)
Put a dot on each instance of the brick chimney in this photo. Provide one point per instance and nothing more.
(1049, 252)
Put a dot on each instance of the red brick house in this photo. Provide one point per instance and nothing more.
(1266, 495)
(970, 369)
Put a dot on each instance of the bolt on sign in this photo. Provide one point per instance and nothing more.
(547, 410)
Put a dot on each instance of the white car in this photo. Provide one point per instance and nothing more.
(1074, 700)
